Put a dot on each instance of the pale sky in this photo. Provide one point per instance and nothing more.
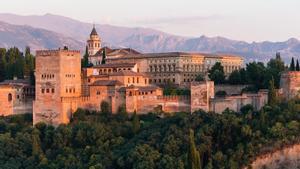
(249, 20)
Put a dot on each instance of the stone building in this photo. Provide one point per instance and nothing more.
(16, 97)
(179, 68)
(62, 87)
(290, 84)
(58, 76)
(93, 43)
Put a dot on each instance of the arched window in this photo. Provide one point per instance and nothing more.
(9, 97)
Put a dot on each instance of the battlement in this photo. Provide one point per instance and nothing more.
(56, 52)
(174, 98)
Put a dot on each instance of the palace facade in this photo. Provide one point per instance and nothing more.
(128, 79)
(179, 68)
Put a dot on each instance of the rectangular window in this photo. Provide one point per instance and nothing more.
(52, 90)
(43, 90)
(47, 90)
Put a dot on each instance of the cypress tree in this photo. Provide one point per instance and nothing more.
(2, 69)
(193, 153)
(292, 66)
(85, 60)
(297, 66)
(135, 123)
(272, 95)
(36, 143)
(103, 56)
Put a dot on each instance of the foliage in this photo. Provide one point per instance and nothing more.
(100, 140)
(272, 94)
(14, 64)
(292, 65)
(105, 107)
(216, 73)
(199, 78)
(103, 56)
(258, 75)
(85, 60)
(193, 154)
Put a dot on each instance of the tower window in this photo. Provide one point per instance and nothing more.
(43, 90)
(47, 90)
(53, 90)
(9, 97)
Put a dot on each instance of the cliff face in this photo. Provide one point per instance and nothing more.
(288, 158)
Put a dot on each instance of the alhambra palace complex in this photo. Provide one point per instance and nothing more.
(130, 79)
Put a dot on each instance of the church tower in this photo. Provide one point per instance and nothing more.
(94, 43)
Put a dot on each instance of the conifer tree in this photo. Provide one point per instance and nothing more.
(36, 143)
(193, 153)
(135, 123)
(297, 66)
(85, 60)
(292, 65)
(103, 56)
(2, 70)
(272, 95)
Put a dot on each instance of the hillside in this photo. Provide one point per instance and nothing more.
(150, 40)
(22, 36)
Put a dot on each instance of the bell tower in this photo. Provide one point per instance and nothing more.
(94, 43)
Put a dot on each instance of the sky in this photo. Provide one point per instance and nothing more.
(249, 20)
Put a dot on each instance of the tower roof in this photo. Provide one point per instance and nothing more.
(94, 32)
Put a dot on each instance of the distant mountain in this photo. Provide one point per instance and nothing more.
(22, 36)
(150, 40)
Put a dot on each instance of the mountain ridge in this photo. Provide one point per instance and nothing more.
(151, 40)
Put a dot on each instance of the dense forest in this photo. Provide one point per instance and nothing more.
(100, 140)
(14, 64)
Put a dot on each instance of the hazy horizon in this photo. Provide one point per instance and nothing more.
(248, 20)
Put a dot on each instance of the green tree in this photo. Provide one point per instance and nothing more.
(122, 113)
(235, 78)
(103, 56)
(136, 124)
(2, 69)
(199, 78)
(256, 74)
(274, 69)
(216, 73)
(194, 161)
(105, 107)
(292, 65)
(272, 95)
(297, 66)
(36, 143)
(85, 59)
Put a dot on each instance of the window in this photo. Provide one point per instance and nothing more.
(47, 90)
(98, 93)
(128, 80)
(66, 90)
(9, 97)
(52, 90)
(43, 90)
(137, 80)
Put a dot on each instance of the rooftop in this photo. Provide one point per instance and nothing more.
(106, 83)
(118, 65)
(127, 73)
(140, 88)
(176, 54)
(94, 32)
